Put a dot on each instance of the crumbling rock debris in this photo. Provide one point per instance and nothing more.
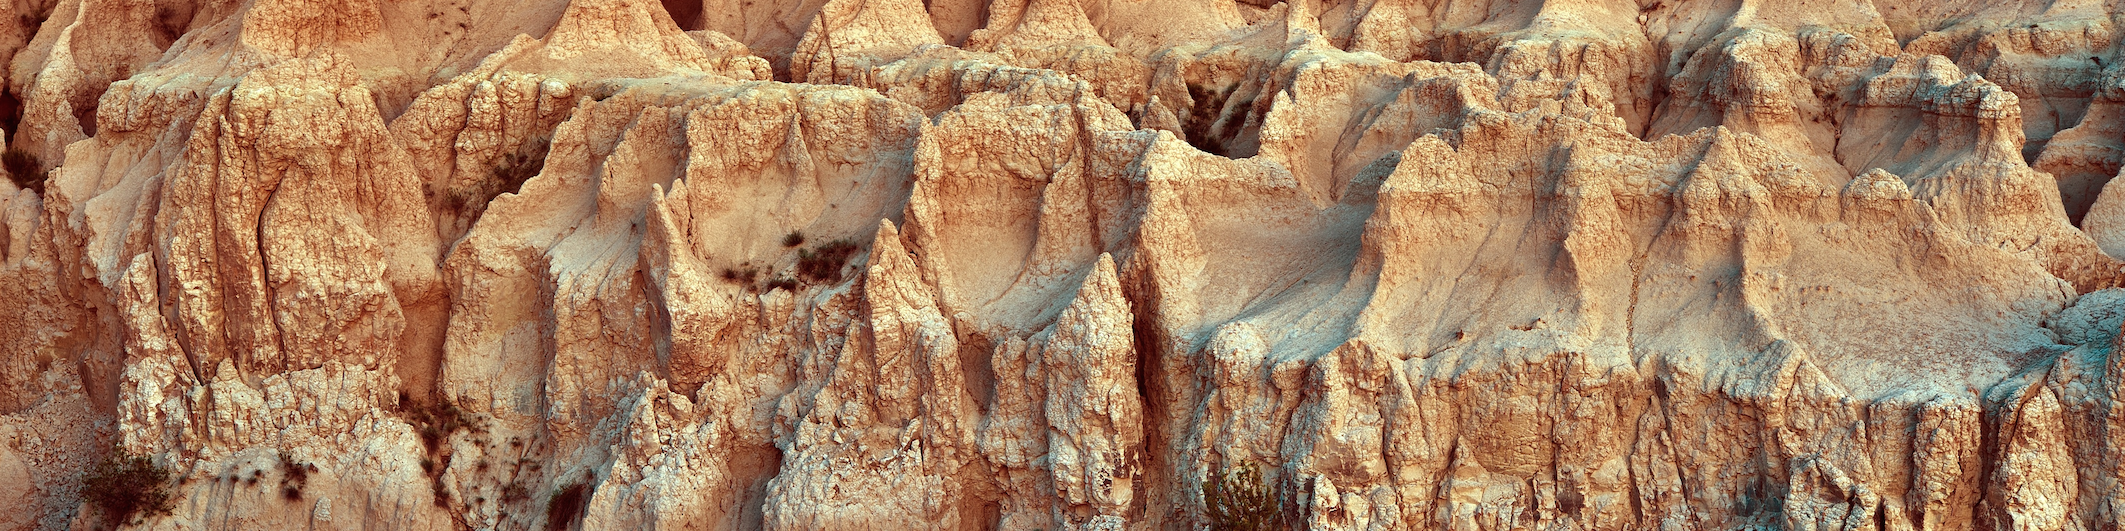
(1058, 264)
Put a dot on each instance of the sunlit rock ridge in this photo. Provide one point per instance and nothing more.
(1064, 264)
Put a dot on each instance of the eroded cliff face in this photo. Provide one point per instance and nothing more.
(1057, 264)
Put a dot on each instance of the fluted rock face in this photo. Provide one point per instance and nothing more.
(1062, 264)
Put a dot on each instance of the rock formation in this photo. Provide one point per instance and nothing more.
(1064, 264)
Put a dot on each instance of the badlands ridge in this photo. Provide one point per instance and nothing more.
(1060, 264)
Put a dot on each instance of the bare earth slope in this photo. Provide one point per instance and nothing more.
(1055, 264)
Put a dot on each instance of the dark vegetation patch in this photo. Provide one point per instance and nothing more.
(744, 274)
(25, 169)
(435, 423)
(1239, 500)
(782, 283)
(294, 477)
(515, 492)
(126, 488)
(824, 264)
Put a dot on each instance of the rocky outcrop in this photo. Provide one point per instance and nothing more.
(1062, 264)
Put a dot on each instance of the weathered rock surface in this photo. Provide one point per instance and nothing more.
(1058, 264)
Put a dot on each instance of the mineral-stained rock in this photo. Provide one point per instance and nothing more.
(1064, 264)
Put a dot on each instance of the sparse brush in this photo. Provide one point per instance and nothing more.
(795, 238)
(125, 487)
(743, 275)
(436, 422)
(514, 492)
(294, 476)
(825, 263)
(439, 495)
(1239, 500)
(782, 283)
(25, 169)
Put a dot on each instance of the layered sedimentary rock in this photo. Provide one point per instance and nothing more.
(1064, 264)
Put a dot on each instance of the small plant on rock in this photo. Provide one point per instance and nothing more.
(1239, 500)
(25, 169)
(824, 264)
(126, 487)
(294, 477)
(782, 283)
(515, 492)
(795, 238)
(436, 422)
(742, 275)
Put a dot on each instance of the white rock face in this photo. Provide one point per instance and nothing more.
(1061, 264)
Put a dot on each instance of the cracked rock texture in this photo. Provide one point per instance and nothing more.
(1055, 264)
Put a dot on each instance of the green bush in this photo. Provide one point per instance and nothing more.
(795, 238)
(126, 487)
(1239, 500)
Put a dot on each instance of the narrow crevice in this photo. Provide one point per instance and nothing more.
(753, 468)
(265, 271)
(1992, 420)
(1150, 343)
(10, 113)
(85, 114)
(976, 360)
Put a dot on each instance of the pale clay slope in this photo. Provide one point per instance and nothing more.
(1431, 264)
